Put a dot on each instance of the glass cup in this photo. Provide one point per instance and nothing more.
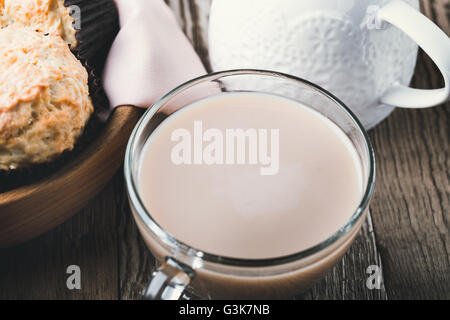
(190, 272)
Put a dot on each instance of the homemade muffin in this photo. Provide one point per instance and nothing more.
(44, 98)
(2, 7)
(89, 32)
(47, 16)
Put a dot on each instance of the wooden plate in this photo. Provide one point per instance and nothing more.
(32, 210)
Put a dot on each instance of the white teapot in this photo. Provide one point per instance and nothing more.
(362, 51)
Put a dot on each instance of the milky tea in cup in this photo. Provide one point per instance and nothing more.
(249, 177)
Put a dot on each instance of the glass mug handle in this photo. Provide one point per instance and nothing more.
(169, 281)
(432, 40)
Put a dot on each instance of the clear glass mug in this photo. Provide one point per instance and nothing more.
(185, 271)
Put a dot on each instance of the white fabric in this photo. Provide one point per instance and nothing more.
(150, 56)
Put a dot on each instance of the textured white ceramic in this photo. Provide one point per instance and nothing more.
(342, 45)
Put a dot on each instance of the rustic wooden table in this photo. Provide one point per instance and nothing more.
(408, 233)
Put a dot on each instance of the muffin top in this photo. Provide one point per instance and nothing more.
(44, 98)
(47, 16)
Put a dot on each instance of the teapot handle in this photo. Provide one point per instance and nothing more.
(432, 40)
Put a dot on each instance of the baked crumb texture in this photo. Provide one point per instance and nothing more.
(2, 8)
(44, 97)
(46, 16)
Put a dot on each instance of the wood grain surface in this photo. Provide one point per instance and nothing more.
(407, 233)
(34, 209)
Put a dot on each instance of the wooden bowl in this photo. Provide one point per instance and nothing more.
(32, 210)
